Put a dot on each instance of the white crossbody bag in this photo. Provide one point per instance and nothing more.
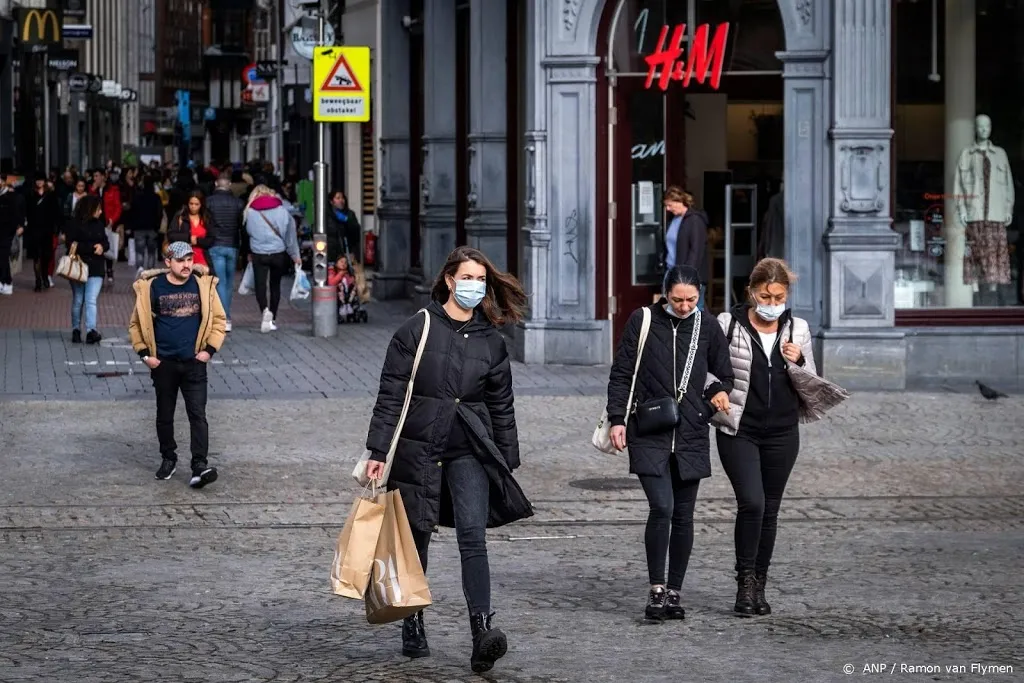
(602, 438)
(359, 473)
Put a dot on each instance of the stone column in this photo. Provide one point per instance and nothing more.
(486, 227)
(392, 115)
(805, 193)
(861, 348)
(559, 268)
(960, 108)
(438, 186)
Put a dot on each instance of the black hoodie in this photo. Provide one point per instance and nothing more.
(692, 242)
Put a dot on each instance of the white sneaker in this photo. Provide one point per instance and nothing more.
(268, 322)
(227, 326)
(50, 278)
(273, 326)
(7, 290)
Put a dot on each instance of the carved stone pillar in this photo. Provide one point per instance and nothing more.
(488, 189)
(559, 268)
(395, 194)
(437, 184)
(861, 347)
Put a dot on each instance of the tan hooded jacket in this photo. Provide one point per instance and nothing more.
(212, 323)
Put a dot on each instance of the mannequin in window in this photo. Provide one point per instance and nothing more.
(983, 195)
(772, 240)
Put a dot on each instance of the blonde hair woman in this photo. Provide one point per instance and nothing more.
(273, 247)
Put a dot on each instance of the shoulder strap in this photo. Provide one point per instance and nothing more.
(272, 226)
(690, 356)
(732, 327)
(408, 390)
(645, 329)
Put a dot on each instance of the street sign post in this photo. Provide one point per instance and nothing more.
(341, 84)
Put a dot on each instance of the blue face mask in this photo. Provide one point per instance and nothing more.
(469, 293)
(770, 313)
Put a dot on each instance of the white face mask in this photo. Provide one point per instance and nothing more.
(672, 312)
(770, 313)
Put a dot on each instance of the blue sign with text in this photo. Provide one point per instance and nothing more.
(184, 113)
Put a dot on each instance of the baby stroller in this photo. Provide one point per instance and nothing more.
(353, 294)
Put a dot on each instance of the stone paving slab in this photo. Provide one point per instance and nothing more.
(900, 543)
(547, 512)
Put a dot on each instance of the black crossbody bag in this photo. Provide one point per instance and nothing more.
(662, 414)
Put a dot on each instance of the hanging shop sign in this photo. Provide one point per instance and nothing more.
(303, 36)
(77, 31)
(62, 60)
(39, 27)
(74, 9)
(704, 61)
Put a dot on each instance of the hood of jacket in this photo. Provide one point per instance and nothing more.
(696, 214)
(265, 202)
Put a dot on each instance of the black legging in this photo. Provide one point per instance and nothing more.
(42, 268)
(669, 524)
(758, 468)
(274, 267)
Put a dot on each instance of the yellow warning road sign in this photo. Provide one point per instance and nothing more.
(341, 84)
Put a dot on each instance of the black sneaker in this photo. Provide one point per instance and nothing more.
(76, 336)
(93, 337)
(166, 470)
(202, 478)
(655, 609)
(673, 607)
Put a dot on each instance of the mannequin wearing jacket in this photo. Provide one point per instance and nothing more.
(984, 197)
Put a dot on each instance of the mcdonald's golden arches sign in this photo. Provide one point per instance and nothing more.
(39, 26)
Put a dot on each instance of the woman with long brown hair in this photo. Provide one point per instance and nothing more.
(191, 225)
(459, 444)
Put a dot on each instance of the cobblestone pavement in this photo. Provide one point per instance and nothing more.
(900, 544)
(39, 362)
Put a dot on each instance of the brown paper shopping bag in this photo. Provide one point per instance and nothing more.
(357, 543)
(397, 586)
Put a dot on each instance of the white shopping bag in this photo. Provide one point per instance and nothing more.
(300, 288)
(131, 253)
(248, 283)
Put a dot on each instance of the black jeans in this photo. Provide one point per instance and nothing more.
(470, 488)
(41, 265)
(272, 267)
(669, 524)
(758, 467)
(188, 377)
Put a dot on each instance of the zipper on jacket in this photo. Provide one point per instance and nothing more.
(675, 329)
(768, 354)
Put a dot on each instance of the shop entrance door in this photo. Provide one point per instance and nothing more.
(648, 156)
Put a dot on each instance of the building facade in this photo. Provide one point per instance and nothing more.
(528, 128)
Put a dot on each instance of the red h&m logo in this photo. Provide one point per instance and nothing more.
(701, 61)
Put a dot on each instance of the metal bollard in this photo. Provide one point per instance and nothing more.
(325, 311)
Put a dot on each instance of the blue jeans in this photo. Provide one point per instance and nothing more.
(85, 293)
(224, 260)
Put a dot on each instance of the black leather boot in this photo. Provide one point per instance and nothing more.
(655, 609)
(761, 605)
(746, 584)
(673, 605)
(414, 637)
(489, 644)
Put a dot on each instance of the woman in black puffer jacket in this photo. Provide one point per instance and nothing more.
(459, 445)
(671, 461)
(87, 232)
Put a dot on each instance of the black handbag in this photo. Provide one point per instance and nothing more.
(662, 414)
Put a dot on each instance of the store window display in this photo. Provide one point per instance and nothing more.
(958, 144)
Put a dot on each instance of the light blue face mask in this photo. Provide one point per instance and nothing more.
(469, 293)
(770, 313)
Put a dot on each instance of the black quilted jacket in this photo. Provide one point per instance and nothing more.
(658, 377)
(465, 374)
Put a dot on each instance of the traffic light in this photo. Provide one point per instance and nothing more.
(320, 259)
